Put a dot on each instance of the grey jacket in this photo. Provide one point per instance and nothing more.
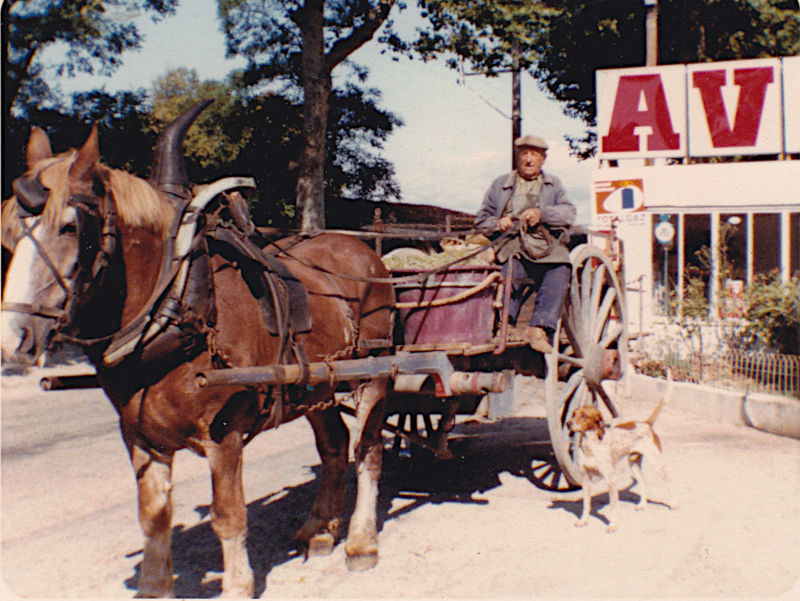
(557, 210)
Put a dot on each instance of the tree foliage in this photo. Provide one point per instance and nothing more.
(563, 42)
(90, 36)
(250, 128)
(261, 135)
(93, 33)
(301, 43)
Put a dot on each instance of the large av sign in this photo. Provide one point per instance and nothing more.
(701, 109)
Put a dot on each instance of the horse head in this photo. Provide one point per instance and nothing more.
(69, 208)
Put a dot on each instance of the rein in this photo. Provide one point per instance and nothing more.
(419, 277)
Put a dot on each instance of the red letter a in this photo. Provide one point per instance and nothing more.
(626, 116)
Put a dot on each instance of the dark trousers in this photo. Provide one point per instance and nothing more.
(550, 282)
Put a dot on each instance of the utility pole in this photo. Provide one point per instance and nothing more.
(651, 41)
(651, 32)
(516, 100)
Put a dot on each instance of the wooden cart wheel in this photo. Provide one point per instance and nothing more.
(416, 434)
(590, 351)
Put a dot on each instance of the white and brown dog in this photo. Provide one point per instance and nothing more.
(601, 449)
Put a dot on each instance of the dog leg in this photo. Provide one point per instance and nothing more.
(636, 468)
(656, 458)
(613, 498)
(662, 472)
(587, 502)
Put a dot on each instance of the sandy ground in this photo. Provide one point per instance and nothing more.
(493, 522)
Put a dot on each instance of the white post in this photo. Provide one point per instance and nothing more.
(713, 283)
(785, 255)
(749, 248)
(680, 259)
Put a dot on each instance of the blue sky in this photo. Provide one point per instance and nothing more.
(454, 141)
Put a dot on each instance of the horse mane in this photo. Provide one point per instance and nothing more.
(138, 204)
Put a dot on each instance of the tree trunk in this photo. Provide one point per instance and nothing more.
(316, 78)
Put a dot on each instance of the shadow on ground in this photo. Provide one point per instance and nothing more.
(482, 451)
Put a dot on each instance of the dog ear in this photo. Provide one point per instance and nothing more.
(597, 418)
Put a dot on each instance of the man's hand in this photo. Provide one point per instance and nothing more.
(531, 217)
(504, 223)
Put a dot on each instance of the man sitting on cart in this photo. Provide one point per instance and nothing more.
(530, 209)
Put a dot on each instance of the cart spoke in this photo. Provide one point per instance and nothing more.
(572, 384)
(603, 312)
(576, 361)
(586, 289)
(597, 286)
(613, 333)
(607, 400)
(586, 280)
(572, 402)
(575, 307)
(573, 338)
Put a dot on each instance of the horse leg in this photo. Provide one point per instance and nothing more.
(229, 514)
(154, 482)
(362, 537)
(320, 531)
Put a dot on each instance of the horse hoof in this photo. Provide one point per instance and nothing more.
(360, 563)
(152, 595)
(151, 590)
(242, 592)
(321, 544)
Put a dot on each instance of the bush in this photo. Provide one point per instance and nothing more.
(773, 314)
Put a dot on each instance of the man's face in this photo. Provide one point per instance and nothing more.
(529, 161)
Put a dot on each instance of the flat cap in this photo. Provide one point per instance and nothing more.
(534, 141)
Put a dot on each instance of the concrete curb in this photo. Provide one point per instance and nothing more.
(770, 413)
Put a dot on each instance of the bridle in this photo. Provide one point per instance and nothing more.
(83, 277)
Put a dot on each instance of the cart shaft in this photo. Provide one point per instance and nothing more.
(448, 381)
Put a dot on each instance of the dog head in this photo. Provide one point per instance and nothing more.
(585, 419)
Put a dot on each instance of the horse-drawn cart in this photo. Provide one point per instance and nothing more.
(453, 348)
(223, 338)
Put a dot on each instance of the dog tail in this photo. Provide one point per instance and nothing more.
(665, 398)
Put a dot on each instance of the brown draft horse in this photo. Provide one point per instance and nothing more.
(167, 413)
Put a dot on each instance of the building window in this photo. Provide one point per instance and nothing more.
(696, 246)
(733, 242)
(794, 243)
(665, 266)
(766, 242)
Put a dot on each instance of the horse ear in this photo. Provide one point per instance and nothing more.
(38, 147)
(87, 157)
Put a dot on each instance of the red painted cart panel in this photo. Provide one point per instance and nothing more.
(468, 320)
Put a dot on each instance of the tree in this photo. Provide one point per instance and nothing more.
(563, 42)
(302, 42)
(262, 135)
(95, 33)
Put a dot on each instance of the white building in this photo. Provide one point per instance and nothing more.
(685, 150)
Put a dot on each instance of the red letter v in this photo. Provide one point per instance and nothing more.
(753, 86)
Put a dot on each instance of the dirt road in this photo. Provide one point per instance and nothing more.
(486, 524)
